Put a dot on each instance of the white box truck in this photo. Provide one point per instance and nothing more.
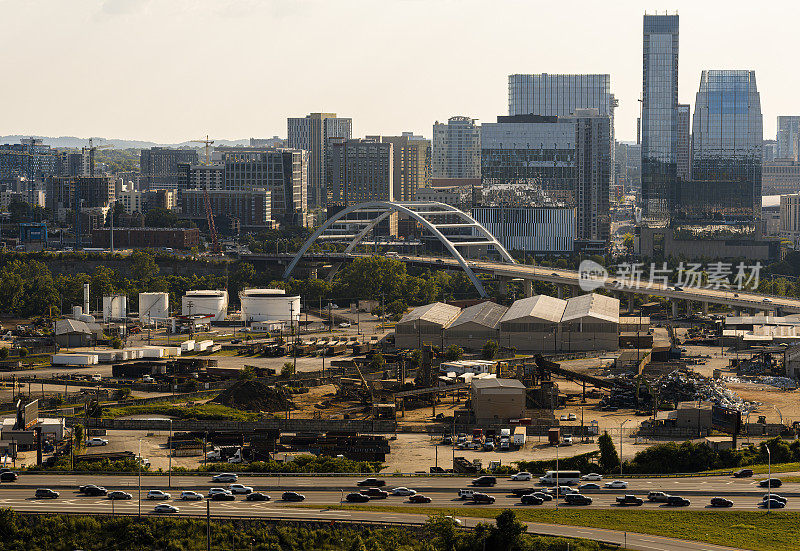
(505, 439)
(520, 437)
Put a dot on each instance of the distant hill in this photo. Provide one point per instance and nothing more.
(74, 142)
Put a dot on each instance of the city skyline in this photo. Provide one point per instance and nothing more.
(108, 58)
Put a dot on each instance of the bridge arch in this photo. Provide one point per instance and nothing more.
(424, 212)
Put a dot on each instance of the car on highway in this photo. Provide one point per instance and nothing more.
(93, 490)
(767, 300)
(257, 496)
(588, 486)
(484, 481)
(403, 491)
(465, 494)
(658, 497)
(225, 477)
(743, 473)
(543, 495)
(96, 441)
(721, 502)
(531, 499)
(419, 498)
(9, 476)
(519, 492)
(292, 496)
(190, 495)
(479, 497)
(344, 325)
(158, 494)
(371, 483)
(677, 501)
(624, 501)
(561, 491)
(774, 496)
(770, 483)
(46, 493)
(577, 499)
(375, 493)
(594, 477)
(240, 489)
(86, 487)
(356, 497)
(616, 484)
(222, 497)
(119, 494)
(522, 476)
(772, 504)
(165, 508)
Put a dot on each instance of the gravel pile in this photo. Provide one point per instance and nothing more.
(253, 395)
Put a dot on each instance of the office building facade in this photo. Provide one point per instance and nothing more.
(530, 229)
(29, 159)
(780, 177)
(312, 133)
(456, 149)
(249, 210)
(769, 151)
(790, 217)
(411, 158)
(559, 95)
(158, 166)
(360, 170)
(684, 151)
(788, 133)
(659, 128)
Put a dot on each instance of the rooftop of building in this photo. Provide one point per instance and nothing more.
(492, 383)
(595, 306)
(541, 307)
(487, 314)
(437, 313)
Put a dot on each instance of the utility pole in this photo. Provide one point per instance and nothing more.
(208, 525)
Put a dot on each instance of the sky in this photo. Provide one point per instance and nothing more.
(175, 70)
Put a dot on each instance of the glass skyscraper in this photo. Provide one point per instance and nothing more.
(788, 133)
(726, 152)
(659, 116)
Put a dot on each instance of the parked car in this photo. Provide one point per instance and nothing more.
(240, 489)
(158, 494)
(678, 501)
(223, 497)
(356, 497)
(721, 502)
(257, 496)
(484, 481)
(94, 491)
(572, 417)
(770, 483)
(592, 476)
(225, 477)
(119, 494)
(577, 499)
(616, 484)
(531, 499)
(743, 473)
(292, 496)
(478, 497)
(419, 498)
(375, 493)
(9, 476)
(522, 476)
(371, 483)
(165, 508)
(190, 495)
(46, 493)
(96, 441)
(658, 497)
(629, 500)
(344, 325)
(589, 486)
(403, 491)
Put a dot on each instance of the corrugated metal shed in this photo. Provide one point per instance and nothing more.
(486, 314)
(540, 308)
(437, 313)
(65, 326)
(595, 306)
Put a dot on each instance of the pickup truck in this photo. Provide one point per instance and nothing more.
(624, 501)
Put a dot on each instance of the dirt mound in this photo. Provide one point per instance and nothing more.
(252, 395)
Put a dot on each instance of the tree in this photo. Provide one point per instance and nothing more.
(506, 534)
(609, 460)
(453, 353)
(442, 531)
(377, 362)
(489, 350)
(77, 436)
(628, 242)
(116, 343)
(287, 370)
(143, 267)
(4, 353)
(159, 217)
(23, 352)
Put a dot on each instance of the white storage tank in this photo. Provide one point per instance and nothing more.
(269, 305)
(206, 302)
(153, 306)
(115, 307)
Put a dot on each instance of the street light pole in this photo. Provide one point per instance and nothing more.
(140, 477)
(621, 426)
(769, 477)
(170, 455)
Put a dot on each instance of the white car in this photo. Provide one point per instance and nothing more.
(212, 491)
(616, 484)
(456, 521)
(96, 441)
(567, 440)
(403, 491)
(521, 476)
(225, 477)
(564, 417)
(572, 417)
(240, 489)
(190, 495)
(165, 508)
(157, 494)
(592, 476)
(344, 324)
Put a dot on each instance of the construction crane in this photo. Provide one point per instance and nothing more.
(215, 248)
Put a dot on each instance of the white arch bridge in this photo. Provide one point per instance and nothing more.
(452, 227)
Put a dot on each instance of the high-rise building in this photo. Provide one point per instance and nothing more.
(593, 175)
(684, 151)
(29, 159)
(559, 95)
(312, 133)
(769, 151)
(411, 157)
(158, 166)
(360, 170)
(659, 116)
(456, 149)
(726, 152)
(788, 131)
(780, 177)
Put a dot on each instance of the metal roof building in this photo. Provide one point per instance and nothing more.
(590, 322)
(497, 399)
(425, 324)
(475, 326)
(531, 324)
(71, 333)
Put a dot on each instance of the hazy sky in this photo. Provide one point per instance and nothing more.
(172, 70)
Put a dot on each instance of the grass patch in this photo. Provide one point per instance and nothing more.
(762, 468)
(207, 412)
(759, 531)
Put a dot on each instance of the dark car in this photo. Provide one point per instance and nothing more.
(577, 499)
(292, 496)
(119, 494)
(257, 496)
(9, 476)
(85, 489)
(478, 497)
(543, 496)
(766, 483)
(484, 481)
(95, 491)
(375, 493)
(743, 473)
(626, 500)
(678, 501)
(531, 499)
(222, 497)
(419, 498)
(356, 497)
(774, 496)
(721, 502)
(773, 504)
(371, 482)
(46, 493)
(519, 492)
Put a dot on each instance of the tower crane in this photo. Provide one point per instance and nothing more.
(215, 248)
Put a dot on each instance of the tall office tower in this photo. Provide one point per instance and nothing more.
(411, 157)
(726, 154)
(769, 150)
(593, 174)
(312, 133)
(360, 170)
(684, 151)
(659, 116)
(30, 159)
(788, 131)
(456, 149)
(158, 166)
